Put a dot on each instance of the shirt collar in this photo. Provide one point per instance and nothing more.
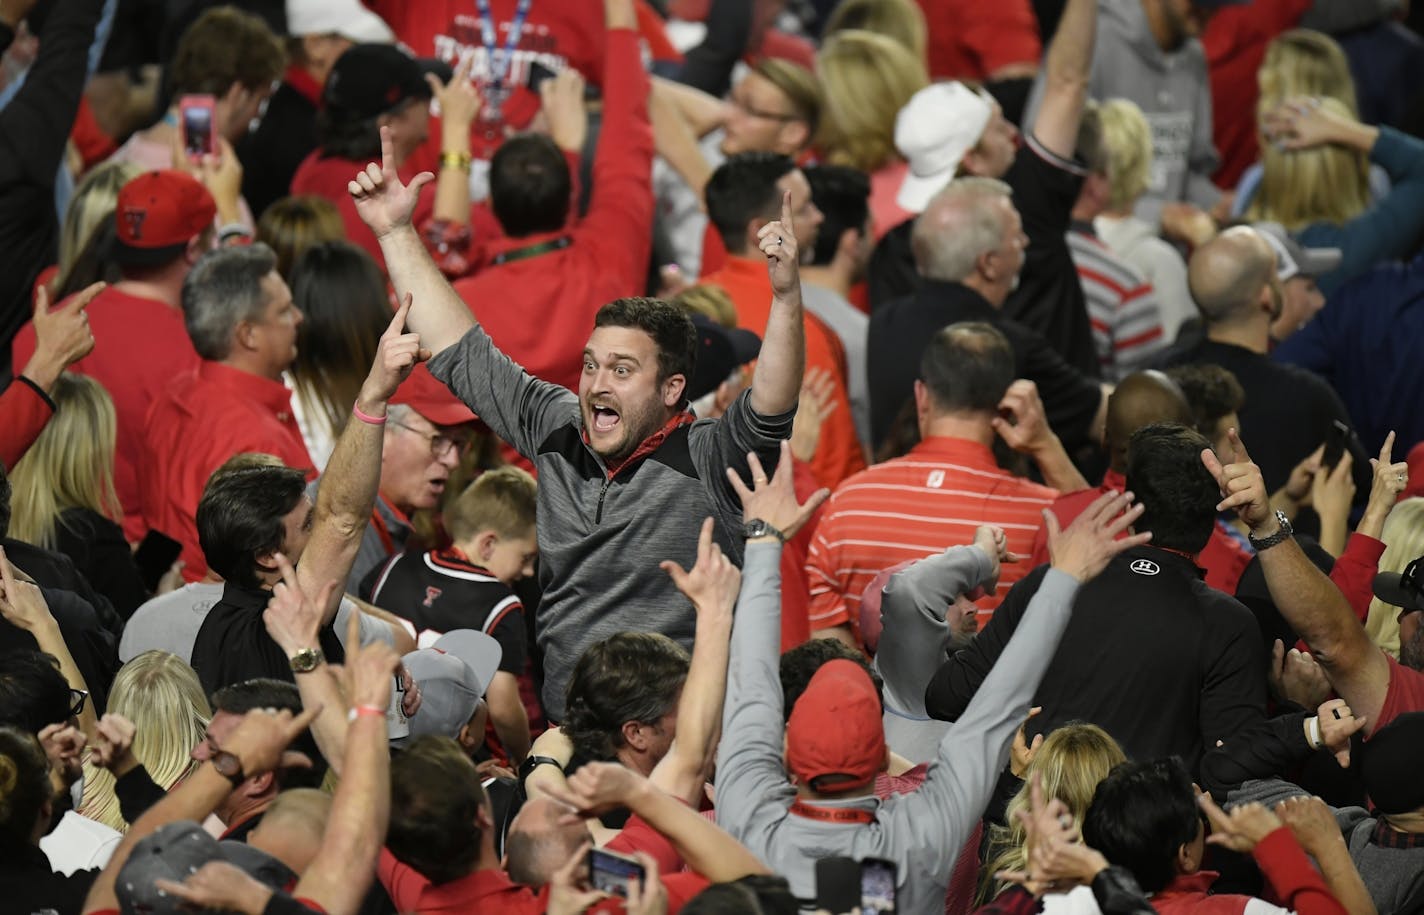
(300, 80)
(504, 244)
(957, 293)
(245, 598)
(957, 451)
(480, 884)
(273, 396)
(1387, 837)
(1186, 884)
(1114, 480)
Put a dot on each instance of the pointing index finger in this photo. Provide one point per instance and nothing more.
(398, 320)
(786, 221)
(1238, 448)
(388, 153)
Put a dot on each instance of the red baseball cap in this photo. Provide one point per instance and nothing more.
(424, 394)
(157, 214)
(835, 740)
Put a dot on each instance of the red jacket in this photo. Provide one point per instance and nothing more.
(24, 411)
(205, 417)
(539, 308)
(1287, 870)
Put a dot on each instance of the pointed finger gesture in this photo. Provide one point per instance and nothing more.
(713, 583)
(1391, 477)
(396, 357)
(1241, 485)
(773, 500)
(777, 240)
(383, 202)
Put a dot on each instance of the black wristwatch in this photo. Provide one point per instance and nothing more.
(533, 762)
(228, 766)
(759, 528)
(1280, 536)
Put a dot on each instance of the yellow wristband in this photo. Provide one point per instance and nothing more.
(460, 160)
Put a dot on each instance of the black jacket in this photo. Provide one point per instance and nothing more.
(1162, 662)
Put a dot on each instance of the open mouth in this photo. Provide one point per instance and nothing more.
(605, 419)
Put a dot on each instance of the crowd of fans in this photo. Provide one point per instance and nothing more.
(717, 456)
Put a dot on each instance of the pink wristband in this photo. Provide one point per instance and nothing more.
(366, 417)
(366, 710)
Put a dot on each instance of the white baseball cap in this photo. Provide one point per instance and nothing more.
(347, 18)
(937, 126)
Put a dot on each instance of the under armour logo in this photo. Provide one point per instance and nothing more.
(1144, 567)
(133, 219)
(431, 595)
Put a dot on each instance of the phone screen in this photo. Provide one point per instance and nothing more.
(1334, 445)
(877, 886)
(197, 129)
(610, 872)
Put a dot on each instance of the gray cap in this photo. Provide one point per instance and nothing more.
(175, 852)
(1292, 259)
(453, 674)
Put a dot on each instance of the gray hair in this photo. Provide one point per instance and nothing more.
(956, 228)
(223, 289)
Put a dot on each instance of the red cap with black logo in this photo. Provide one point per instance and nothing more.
(157, 215)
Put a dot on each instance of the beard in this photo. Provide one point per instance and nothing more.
(1411, 652)
(635, 423)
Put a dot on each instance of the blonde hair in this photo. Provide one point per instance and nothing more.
(293, 224)
(501, 500)
(1328, 183)
(94, 201)
(1127, 141)
(161, 695)
(70, 465)
(709, 300)
(1070, 764)
(1404, 541)
(902, 20)
(865, 80)
(798, 85)
(1304, 62)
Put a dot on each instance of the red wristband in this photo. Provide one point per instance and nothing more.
(365, 710)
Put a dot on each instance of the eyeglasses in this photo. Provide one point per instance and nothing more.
(76, 701)
(440, 443)
(746, 108)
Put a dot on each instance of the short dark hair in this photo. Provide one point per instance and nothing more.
(264, 692)
(1177, 492)
(240, 517)
(24, 785)
(842, 194)
(1212, 392)
(435, 802)
(967, 367)
(799, 665)
(740, 190)
(1141, 814)
(33, 693)
(631, 676)
(530, 185)
(669, 326)
(754, 894)
(344, 136)
(223, 46)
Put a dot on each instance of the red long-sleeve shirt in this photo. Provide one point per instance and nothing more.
(24, 411)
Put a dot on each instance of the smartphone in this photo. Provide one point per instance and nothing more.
(198, 126)
(538, 73)
(610, 872)
(1335, 441)
(837, 885)
(155, 555)
(877, 886)
(397, 724)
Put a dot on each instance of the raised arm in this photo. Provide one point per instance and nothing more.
(1024, 427)
(776, 383)
(23, 605)
(385, 205)
(1308, 600)
(348, 490)
(1065, 85)
(712, 587)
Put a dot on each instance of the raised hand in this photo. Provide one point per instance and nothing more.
(774, 500)
(1390, 478)
(1241, 485)
(22, 604)
(396, 357)
(260, 740)
(713, 582)
(1026, 429)
(458, 99)
(63, 746)
(219, 886)
(1090, 542)
(566, 111)
(1301, 123)
(995, 544)
(62, 336)
(291, 618)
(1242, 828)
(777, 240)
(1296, 676)
(383, 202)
(1021, 752)
(1333, 491)
(1337, 725)
(818, 401)
(1056, 859)
(113, 745)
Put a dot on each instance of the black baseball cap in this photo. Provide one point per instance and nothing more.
(370, 80)
(1389, 763)
(719, 351)
(1404, 590)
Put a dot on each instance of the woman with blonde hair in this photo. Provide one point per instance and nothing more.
(93, 204)
(902, 20)
(293, 224)
(161, 695)
(1069, 764)
(1404, 542)
(1315, 183)
(63, 493)
(865, 80)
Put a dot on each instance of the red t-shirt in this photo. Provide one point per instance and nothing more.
(205, 417)
(1405, 693)
(140, 344)
(972, 40)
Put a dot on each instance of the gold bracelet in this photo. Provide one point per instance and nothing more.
(460, 160)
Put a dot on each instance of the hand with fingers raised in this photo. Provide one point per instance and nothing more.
(291, 618)
(713, 582)
(1086, 546)
(396, 357)
(62, 336)
(1021, 752)
(1337, 725)
(261, 739)
(777, 240)
(774, 500)
(384, 203)
(1391, 478)
(1242, 828)
(1242, 488)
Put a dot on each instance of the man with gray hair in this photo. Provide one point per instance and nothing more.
(969, 248)
(240, 317)
(1289, 412)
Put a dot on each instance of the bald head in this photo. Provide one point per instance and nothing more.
(1228, 274)
(292, 827)
(1141, 399)
(538, 844)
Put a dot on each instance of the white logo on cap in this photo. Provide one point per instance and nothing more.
(1144, 567)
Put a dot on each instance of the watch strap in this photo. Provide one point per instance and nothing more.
(306, 660)
(756, 527)
(533, 762)
(1280, 536)
(228, 766)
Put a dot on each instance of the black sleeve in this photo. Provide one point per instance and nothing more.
(997, 813)
(137, 791)
(709, 65)
(107, 563)
(1233, 673)
(509, 633)
(94, 649)
(948, 693)
(1117, 893)
(891, 272)
(1263, 751)
(1070, 398)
